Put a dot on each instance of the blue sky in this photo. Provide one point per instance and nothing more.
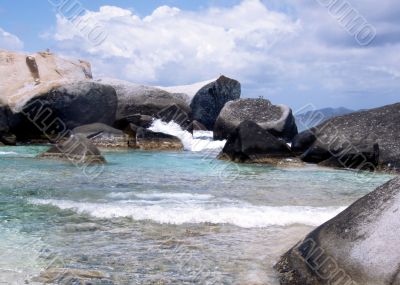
(291, 52)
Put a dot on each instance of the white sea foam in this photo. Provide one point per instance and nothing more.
(246, 216)
(161, 196)
(199, 142)
(8, 153)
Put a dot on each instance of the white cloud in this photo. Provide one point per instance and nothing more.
(9, 41)
(295, 54)
(175, 46)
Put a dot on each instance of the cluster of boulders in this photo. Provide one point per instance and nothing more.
(365, 140)
(44, 98)
(47, 99)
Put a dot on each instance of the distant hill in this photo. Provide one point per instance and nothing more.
(311, 119)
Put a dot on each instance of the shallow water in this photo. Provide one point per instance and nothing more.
(162, 217)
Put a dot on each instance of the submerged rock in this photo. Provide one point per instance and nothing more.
(375, 126)
(251, 143)
(72, 276)
(359, 246)
(210, 99)
(278, 119)
(148, 140)
(77, 149)
(102, 135)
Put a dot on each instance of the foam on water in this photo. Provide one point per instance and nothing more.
(8, 153)
(200, 141)
(241, 215)
(160, 196)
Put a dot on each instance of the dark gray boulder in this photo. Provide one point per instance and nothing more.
(251, 143)
(4, 115)
(77, 149)
(277, 119)
(50, 115)
(6, 137)
(361, 155)
(375, 126)
(209, 100)
(145, 100)
(138, 120)
(364, 157)
(359, 246)
(303, 141)
(149, 140)
(102, 135)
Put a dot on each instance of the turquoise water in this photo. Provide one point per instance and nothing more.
(161, 217)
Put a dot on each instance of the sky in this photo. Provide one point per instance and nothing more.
(294, 52)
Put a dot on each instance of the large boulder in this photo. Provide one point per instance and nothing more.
(139, 120)
(77, 149)
(189, 90)
(102, 135)
(6, 137)
(364, 157)
(149, 140)
(145, 100)
(359, 246)
(361, 155)
(303, 141)
(277, 119)
(49, 115)
(209, 100)
(251, 143)
(351, 131)
(24, 76)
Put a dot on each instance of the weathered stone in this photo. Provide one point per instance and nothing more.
(303, 141)
(139, 120)
(278, 119)
(51, 115)
(359, 246)
(364, 157)
(375, 126)
(144, 100)
(209, 100)
(251, 143)
(77, 149)
(26, 76)
(102, 135)
(148, 140)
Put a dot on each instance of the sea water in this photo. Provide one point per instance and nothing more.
(162, 217)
